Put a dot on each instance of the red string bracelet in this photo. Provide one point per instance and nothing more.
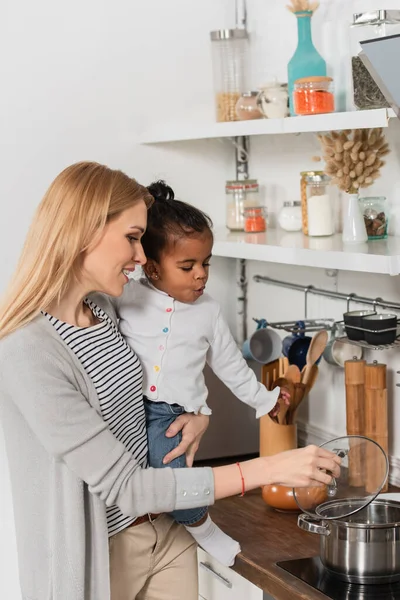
(242, 478)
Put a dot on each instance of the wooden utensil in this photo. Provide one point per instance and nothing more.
(269, 373)
(282, 382)
(312, 378)
(299, 393)
(315, 351)
(292, 374)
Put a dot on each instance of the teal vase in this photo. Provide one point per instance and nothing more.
(306, 61)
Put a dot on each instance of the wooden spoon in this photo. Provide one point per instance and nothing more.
(282, 382)
(315, 350)
(293, 374)
(295, 400)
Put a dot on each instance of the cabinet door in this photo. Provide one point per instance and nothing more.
(217, 582)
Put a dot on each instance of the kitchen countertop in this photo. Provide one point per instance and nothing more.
(266, 537)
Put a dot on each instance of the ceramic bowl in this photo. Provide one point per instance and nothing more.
(374, 324)
(280, 497)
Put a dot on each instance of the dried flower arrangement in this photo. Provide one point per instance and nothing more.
(354, 157)
(302, 6)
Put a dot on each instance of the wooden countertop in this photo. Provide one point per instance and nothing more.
(266, 537)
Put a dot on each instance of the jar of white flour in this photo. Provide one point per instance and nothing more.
(319, 206)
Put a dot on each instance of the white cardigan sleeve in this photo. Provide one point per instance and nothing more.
(227, 362)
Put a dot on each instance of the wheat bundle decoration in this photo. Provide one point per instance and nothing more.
(297, 6)
(354, 157)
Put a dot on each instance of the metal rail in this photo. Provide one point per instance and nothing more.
(310, 289)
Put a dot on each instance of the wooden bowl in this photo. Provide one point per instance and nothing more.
(280, 497)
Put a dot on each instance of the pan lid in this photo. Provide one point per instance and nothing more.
(363, 473)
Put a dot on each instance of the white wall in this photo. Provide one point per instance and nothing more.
(80, 80)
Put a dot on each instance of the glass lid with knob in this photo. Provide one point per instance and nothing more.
(363, 473)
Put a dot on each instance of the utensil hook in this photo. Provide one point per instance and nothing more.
(376, 301)
(349, 298)
(306, 290)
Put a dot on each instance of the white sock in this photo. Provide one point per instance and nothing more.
(214, 541)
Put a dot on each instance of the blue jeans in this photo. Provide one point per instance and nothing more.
(159, 416)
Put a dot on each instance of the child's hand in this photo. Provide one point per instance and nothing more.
(283, 396)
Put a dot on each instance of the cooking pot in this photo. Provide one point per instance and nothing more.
(360, 535)
(362, 548)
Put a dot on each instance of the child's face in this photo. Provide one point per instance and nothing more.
(183, 270)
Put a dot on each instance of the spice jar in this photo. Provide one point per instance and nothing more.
(303, 197)
(313, 96)
(367, 26)
(273, 100)
(375, 217)
(247, 108)
(319, 206)
(255, 219)
(229, 57)
(289, 217)
(240, 195)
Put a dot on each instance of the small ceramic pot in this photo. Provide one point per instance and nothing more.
(375, 326)
(355, 319)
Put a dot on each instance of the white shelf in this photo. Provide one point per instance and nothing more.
(361, 119)
(277, 246)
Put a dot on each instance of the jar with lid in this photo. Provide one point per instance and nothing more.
(313, 96)
(240, 195)
(273, 100)
(229, 59)
(255, 219)
(375, 216)
(319, 206)
(368, 26)
(289, 217)
(247, 108)
(303, 197)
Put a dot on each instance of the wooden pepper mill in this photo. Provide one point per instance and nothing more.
(354, 381)
(376, 422)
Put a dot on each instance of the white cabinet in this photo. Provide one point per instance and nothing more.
(217, 582)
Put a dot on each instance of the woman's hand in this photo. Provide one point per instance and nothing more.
(193, 428)
(310, 466)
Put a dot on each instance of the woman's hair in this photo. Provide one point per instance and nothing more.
(72, 215)
(169, 219)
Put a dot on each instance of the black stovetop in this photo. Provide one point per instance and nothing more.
(312, 572)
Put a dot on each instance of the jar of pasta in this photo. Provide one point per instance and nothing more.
(303, 197)
(229, 58)
(313, 96)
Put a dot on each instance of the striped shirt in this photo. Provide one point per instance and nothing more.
(116, 373)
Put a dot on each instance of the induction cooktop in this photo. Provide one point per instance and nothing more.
(312, 572)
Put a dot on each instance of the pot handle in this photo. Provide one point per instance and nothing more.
(307, 524)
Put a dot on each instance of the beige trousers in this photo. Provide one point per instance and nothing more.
(153, 561)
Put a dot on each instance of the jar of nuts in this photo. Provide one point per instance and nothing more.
(229, 58)
(375, 215)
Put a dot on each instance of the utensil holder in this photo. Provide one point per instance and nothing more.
(275, 438)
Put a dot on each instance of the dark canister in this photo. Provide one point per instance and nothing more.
(380, 329)
(354, 323)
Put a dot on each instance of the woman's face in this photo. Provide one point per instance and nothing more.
(117, 252)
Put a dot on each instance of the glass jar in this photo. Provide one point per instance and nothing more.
(319, 206)
(289, 217)
(375, 216)
(367, 26)
(313, 96)
(229, 58)
(246, 107)
(255, 219)
(273, 100)
(303, 197)
(240, 195)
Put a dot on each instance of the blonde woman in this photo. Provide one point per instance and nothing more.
(88, 512)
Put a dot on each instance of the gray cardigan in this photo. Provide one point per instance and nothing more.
(66, 466)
